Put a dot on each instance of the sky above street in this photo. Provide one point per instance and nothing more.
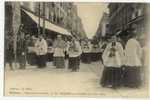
(90, 14)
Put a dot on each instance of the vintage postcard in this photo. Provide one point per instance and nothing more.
(76, 49)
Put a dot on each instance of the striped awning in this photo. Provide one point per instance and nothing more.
(48, 25)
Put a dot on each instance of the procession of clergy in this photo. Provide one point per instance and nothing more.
(122, 66)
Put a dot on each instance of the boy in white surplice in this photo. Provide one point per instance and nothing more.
(133, 64)
(113, 60)
(74, 52)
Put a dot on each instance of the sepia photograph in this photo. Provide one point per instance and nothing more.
(76, 49)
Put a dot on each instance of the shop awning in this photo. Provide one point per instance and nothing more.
(48, 25)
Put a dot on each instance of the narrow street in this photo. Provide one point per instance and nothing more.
(38, 32)
(62, 82)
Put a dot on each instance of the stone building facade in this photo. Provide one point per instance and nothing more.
(59, 13)
(125, 15)
(102, 29)
(12, 22)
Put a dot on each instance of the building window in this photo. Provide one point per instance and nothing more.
(136, 13)
(139, 12)
(61, 4)
(53, 5)
(133, 15)
(47, 13)
(52, 16)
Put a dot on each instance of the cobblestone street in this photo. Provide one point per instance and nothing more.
(60, 82)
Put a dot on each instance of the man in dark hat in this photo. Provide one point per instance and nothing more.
(9, 52)
(21, 51)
